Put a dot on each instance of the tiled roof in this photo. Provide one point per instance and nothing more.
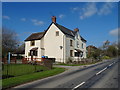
(68, 31)
(38, 36)
(65, 30)
(83, 39)
(35, 36)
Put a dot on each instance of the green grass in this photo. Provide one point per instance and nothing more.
(6, 83)
(76, 64)
(21, 69)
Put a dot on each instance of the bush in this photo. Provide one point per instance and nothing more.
(69, 60)
(105, 57)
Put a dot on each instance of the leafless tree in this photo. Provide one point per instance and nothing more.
(9, 41)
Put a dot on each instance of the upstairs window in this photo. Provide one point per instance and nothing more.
(71, 43)
(57, 33)
(32, 43)
(77, 44)
(82, 46)
(77, 36)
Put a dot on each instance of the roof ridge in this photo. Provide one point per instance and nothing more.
(64, 27)
(65, 30)
(37, 32)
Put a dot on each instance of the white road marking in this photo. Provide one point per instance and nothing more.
(101, 71)
(78, 85)
(111, 64)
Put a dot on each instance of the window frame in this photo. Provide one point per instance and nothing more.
(71, 53)
(71, 42)
(31, 43)
(82, 46)
(57, 33)
(78, 44)
(35, 53)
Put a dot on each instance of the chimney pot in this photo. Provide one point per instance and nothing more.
(76, 29)
(54, 19)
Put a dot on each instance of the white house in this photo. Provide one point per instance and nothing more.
(56, 42)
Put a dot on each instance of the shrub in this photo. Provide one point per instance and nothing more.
(69, 60)
(105, 57)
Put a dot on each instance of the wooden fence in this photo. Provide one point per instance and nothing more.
(23, 60)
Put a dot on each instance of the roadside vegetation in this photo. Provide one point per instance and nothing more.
(13, 81)
(78, 64)
(106, 51)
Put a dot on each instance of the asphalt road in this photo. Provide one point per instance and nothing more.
(101, 75)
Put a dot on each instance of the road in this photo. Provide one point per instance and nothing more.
(101, 75)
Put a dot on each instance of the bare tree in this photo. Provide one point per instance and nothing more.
(9, 41)
(106, 44)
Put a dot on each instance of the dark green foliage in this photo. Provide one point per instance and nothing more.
(109, 50)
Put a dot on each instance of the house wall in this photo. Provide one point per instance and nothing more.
(84, 50)
(28, 47)
(52, 44)
(68, 47)
(42, 47)
(78, 38)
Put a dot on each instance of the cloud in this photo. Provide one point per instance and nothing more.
(115, 32)
(105, 9)
(75, 8)
(23, 19)
(61, 16)
(89, 10)
(6, 17)
(37, 22)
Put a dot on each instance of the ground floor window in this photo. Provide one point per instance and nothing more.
(71, 53)
(77, 54)
(33, 53)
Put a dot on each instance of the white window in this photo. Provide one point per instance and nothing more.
(82, 45)
(77, 44)
(77, 36)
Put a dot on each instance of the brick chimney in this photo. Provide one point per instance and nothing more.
(76, 29)
(54, 19)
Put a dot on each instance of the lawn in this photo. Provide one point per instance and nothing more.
(21, 69)
(23, 75)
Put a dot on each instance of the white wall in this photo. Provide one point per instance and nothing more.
(52, 44)
(28, 47)
(80, 44)
(68, 47)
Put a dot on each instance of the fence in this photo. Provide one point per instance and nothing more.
(23, 66)
(14, 60)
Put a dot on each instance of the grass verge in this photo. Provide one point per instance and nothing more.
(76, 64)
(10, 82)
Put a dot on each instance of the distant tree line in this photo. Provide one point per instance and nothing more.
(107, 50)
